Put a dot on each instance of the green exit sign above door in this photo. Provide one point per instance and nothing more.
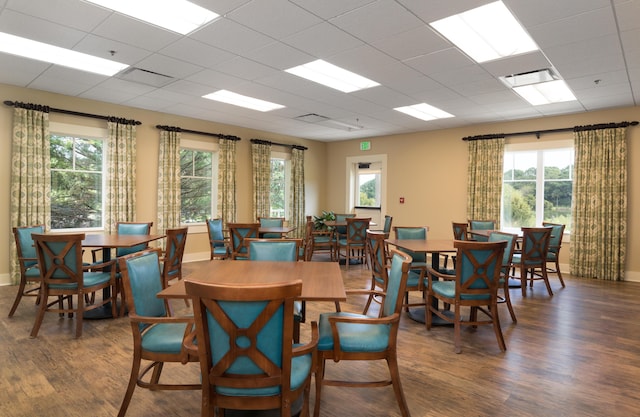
(365, 145)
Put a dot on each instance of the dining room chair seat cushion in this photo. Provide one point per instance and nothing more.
(90, 279)
(413, 279)
(300, 368)
(343, 242)
(448, 289)
(517, 259)
(33, 271)
(164, 338)
(354, 337)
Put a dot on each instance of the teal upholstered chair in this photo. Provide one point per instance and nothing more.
(271, 222)
(244, 341)
(417, 275)
(127, 228)
(353, 244)
(358, 337)
(378, 257)
(533, 257)
(65, 277)
(482, 225)
(238, 233)
(475, 285)
(28, 262)
(217, 242)
(553, 254)
(157, 337)
(341, 231)
(507, 265)
(171, 260)
(281, 250)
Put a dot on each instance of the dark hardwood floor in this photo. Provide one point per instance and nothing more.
(574, 354)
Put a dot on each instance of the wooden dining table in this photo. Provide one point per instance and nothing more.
(281, 230)
(109, 241)
(321, 281)
(433, 247)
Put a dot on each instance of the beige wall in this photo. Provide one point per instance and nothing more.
(147, 159)
(429, 169)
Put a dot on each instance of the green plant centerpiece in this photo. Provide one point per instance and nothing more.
(318, 221)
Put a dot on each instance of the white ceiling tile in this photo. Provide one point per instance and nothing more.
(275, 18)
(38, 29)
(135, 33)
(231, 36)
(436, 62)
(20, 71)
(322, 40)
(72, 13)
(102, 47)
(197, 53)
(165, 65)
(279, 55)
(412, 43)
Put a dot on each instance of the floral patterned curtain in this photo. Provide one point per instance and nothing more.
(297, 217)
(484, 183)
(227, 181)
(30, 202)
(169, 181)
(599, 212)
(120, 152)
(261, 161)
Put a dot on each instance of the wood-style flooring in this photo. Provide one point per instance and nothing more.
(574, 354)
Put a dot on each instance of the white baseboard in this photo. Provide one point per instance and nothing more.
(5, 279)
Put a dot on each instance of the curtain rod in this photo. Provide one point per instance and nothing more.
(71, 112)
(267, 142)
(197, 132)
(537, 133)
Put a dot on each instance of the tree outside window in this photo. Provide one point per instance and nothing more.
(278, 192)
(196, 185)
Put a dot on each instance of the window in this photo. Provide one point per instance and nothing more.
(537, 185)
(77, 164)
(368, 180)
(198, 181)
(280, 180)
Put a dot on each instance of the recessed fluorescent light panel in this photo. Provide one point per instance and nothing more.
(486, 33)
(176, 15)
(424, 111)
(546, 93)
(327, 74)
(242, 101)
(39, 51)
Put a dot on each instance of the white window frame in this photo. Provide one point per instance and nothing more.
(205, 146)
(88, 132)
(538, 146)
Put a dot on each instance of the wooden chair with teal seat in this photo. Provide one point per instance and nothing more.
(417, 274)
(507, 265)
(244, 341)
(218, 243)
(238, 232)
(533, 257)
(553, 254)
(359, 337)
(482, 225)
(353, 245)
(128, 228)
(281, 250)
(157, 335)
(171, 260)
(30, 279)
(64, 277)
(378, 259)
(475, 285)
(271, 222)
(341, 231)
(322, 240)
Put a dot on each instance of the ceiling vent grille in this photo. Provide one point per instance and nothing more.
(530, 77)
(142, 76)
(325, 121)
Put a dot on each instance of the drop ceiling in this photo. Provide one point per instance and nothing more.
(594, 45)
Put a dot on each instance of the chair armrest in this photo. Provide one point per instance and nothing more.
(309, 347)
(189, 346)
(100, 265)
(432, 272)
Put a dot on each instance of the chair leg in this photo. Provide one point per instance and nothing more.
(19, 295)
(40, 315)
(557, 271)
(523, 280)
(79, 310)
(495, 318)
(456, 330)
(319, 379)
(507, 300)
(545, 277)
(135, 369)
(397, 385)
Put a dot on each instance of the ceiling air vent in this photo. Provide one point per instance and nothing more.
(325, 121)
(142, 76)
(530, 77)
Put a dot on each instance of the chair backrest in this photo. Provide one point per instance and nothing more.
(238, 232)
(244, 337)
(142, 280)
(274, 249)
(342, 230)
(378, 257)
(60, 259)
(459, 231)
(176, 240)
(357, 230)
(388, 220)
(478, 266)
(133, 228)
(482, 225)
(24, 243)
(412, 232)
(396, 283)
(555, 240)
(271, 221)
(216, 235)
(535, 244)
(308, 240)
(510, 238)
